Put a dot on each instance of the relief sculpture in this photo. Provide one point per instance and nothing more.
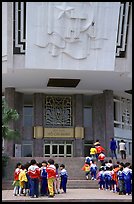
(68, 27)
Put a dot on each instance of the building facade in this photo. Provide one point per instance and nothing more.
(67, 70)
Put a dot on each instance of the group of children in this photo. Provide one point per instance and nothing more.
(43, 179)
(114, 177)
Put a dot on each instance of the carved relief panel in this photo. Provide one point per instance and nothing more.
(71, 30)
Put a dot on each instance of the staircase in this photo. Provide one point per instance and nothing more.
(83, 184)
(73, 166)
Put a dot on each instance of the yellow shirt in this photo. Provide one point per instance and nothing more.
(93, 150)
(22, 176)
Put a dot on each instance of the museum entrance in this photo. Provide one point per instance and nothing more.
(58, 148)
(87, 146)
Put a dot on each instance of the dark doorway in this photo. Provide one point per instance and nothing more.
(87, 146)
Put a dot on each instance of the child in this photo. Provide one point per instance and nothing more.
(108, 178)
(27, 183)
(88, 159)
(99, 149)
(64, 177)
(34, 173)
(57, 180)
(44, 185)
(120, 181)
(16, 182)
(22, 179)
(86, 168)
(114, 177)
(101, 157)
(93, 170)
(51, 175)
(100, 177)
(93, 152)
(127, 176)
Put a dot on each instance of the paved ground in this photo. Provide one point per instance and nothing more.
(72, 195)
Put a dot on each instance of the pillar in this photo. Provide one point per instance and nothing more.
(10, 99)
(78, 122)
(38, 121)
(103, 118)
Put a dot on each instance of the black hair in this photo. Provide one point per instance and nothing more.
(27, 165)
(122, 164)
(56, 165)
(127, 164)
(33, 161)
(51, 161)
(62, 165)
(45, 162)
(18, 164)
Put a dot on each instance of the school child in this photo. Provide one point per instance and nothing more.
(16, 182)
(109, 163)
(99, 149)
(64, 177)
(34, 173)
(22, 179)
(88, 160)
(43, 174)
(101, 157)
(93, 152)
(51, 175)
(57, 180)
(86, 168)
(101, 178)
(120, 181)
(27, 183)
(93, 170)
(108, 178)
(127, 176)
(114, 177)
(97, 143)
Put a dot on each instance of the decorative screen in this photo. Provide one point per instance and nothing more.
(58, 111)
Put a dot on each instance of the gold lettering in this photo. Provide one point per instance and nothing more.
(58, 132)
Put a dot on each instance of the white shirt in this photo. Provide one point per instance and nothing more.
(122, 146)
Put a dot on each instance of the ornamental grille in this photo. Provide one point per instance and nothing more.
(19, 27)
(58, 111)
(123, 27)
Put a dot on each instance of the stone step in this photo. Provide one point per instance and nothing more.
(83, 184)
(73, 184)
(72, 164)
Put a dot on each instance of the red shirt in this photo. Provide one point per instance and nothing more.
(101, 156)
(16, 174)
(51, 171)
(34, 171)
(99, 149)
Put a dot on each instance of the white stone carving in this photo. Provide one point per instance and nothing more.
(68, 29)
(71, 35)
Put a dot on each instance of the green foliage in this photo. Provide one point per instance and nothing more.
(8, 115)
(5, 159)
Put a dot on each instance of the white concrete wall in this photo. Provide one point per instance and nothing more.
(60, 35)
(4, 37)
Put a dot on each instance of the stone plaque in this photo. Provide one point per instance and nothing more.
(59, 132)
(79, 132)
(38, 132)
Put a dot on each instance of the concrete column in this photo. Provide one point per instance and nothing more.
(78, 122)
(19, 103)
(103, 118)
(98, 118)
(38, 121)
(109, 118)
(10, 99)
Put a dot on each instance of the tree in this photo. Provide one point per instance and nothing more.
(8, 115)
